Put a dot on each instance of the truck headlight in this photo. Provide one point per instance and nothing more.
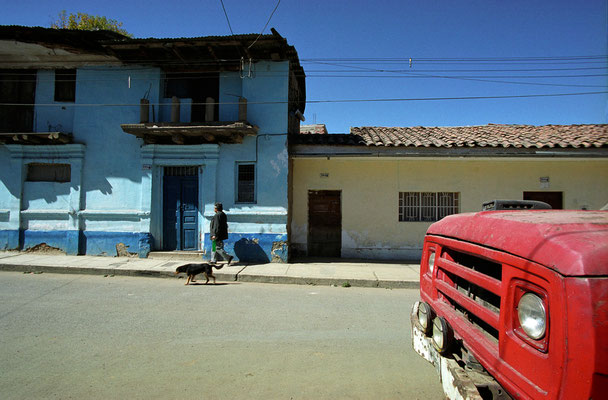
(441, 335)
(532, 315)
(424, 317)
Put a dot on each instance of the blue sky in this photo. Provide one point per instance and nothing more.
(361, 50)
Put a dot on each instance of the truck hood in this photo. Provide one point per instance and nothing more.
(573, 243)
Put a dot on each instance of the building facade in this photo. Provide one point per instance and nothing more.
(374, 193)
(110, 142)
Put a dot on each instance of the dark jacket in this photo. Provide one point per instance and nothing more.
(219, 226)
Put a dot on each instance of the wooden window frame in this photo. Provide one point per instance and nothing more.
(65, 85)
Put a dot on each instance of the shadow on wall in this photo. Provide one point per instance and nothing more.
(249, 251)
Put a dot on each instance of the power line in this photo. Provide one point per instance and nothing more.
(460, 78)
(591, 59)
(267, 22)
(458, 59)
(226, 14)
(185, 76)
(324, 101)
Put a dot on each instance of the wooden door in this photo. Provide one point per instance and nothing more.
(180, 208)
(324, 223)
(554, 199)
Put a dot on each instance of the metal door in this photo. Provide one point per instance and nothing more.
(324, 223)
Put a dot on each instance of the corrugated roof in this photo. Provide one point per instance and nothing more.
(491, 135)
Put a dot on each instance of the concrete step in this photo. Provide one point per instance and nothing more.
(177, 255)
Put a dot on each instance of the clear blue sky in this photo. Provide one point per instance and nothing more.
(361, 50)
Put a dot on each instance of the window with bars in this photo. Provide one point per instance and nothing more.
(427, 206)
(181, 171)
(246, 183)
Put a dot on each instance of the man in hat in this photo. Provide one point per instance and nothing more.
(219, 232)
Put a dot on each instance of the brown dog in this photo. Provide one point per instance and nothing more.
(194, 269)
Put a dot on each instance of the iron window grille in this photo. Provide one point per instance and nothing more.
(246, 183)
(427, 206)
(181, 171)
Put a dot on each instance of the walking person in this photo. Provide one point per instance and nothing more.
(218, 231)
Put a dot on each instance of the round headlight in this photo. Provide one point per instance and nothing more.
(532, 315)
(431, 261)
(441, 335)
(424, 317)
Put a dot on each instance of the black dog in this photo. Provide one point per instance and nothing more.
(194, 269)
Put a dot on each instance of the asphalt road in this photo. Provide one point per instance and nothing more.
(95, 337)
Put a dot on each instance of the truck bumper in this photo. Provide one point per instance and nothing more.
(457, 382)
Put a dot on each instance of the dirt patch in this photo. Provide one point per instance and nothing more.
(278, 252)
(44, 248)
(122, 250)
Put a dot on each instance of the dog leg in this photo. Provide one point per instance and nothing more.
(187, 280)
(207, 277)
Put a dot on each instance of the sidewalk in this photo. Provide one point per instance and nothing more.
(334, 272)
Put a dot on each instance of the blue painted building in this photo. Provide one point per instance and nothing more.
(108, 141)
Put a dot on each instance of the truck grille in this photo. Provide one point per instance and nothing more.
(472, 286)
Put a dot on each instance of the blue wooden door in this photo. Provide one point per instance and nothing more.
(180, 213)
(189, 214)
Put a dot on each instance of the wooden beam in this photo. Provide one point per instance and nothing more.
(177, 138)
(209, 137)
(212, 53)
(150, 139)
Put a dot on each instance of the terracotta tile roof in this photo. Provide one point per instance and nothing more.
(492, 135)
(320, 129)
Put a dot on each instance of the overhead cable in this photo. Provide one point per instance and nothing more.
(264, 28)
(522, 96)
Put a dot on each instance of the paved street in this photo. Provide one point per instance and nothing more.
(95, 337)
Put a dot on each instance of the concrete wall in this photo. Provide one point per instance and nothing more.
(257, 231)
(370, 193)
(115, 195)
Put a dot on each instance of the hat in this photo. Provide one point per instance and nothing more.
(219, 206)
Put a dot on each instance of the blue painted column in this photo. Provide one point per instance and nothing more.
(73, 235)
(14, 217)
(145, 236)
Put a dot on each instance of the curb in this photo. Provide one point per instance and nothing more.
(84, 271)
(226, 277)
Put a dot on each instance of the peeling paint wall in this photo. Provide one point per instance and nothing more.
(115, 195)
(370, 193)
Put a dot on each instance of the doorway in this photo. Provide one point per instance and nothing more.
(554, 199)
(180, 208)
(324, 223)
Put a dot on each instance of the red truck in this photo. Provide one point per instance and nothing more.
(514, 303)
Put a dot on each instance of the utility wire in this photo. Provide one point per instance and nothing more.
(267, 22)
(330, 101)
(321, 73)
(457, 77)
(594, 59)
(226, 14)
